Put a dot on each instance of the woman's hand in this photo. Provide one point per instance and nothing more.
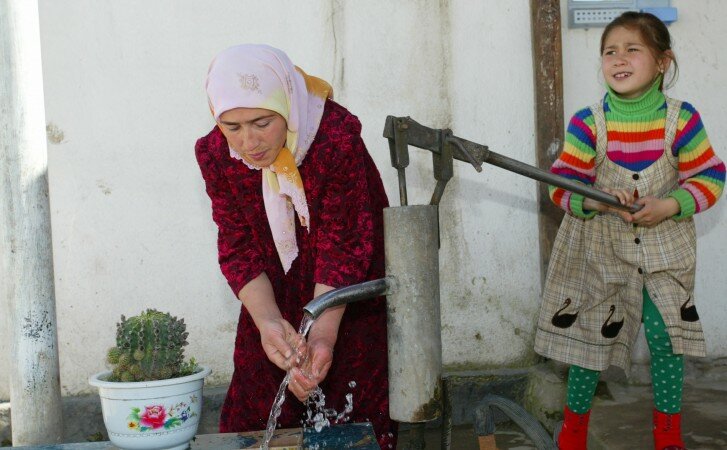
(655, 210)
(313, 371)
(321, 341)
(283, 346)
(625, 197)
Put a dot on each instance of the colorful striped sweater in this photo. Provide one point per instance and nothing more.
(635, 141)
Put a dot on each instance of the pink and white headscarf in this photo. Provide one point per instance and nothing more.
(260, 76)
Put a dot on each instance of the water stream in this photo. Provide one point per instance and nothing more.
(305, 325)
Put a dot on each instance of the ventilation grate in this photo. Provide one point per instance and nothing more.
(586, 17)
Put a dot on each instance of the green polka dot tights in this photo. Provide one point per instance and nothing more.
(667, 369)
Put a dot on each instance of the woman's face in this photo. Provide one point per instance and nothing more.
(256, 134)
(628, 65)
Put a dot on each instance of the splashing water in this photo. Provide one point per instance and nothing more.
(320, 417)
(305, 325)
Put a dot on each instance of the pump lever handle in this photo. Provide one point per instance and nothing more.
(545, 176)
(427, 138)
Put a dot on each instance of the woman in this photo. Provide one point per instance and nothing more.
(298, 202)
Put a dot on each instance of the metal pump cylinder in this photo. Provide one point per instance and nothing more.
(411, 236)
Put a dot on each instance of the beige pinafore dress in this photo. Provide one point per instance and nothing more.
(592, 301)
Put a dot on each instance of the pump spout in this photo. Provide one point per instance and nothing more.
(348, 294)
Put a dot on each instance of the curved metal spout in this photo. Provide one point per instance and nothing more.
(348, 294)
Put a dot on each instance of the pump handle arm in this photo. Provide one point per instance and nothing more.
(463, 150)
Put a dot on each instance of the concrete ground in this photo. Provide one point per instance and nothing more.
(621, 420)
(464, 438)
(624, 421)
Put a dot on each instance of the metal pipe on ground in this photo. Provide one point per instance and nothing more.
(485, 423)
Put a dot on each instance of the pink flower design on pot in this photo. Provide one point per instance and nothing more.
(153, 416)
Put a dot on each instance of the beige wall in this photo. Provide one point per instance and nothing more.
(131, 222)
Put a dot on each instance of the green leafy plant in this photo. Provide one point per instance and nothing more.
(150, 346)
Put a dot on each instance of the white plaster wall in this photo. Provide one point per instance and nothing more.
(131, 221)
(489, 260)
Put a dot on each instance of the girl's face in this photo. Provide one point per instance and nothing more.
(256, 134)
(628, 65)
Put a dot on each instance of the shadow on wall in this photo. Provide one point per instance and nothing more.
(486, 192)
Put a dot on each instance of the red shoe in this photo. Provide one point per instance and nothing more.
(574, 434)
(668, 431)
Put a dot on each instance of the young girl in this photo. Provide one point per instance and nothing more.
(611, 269)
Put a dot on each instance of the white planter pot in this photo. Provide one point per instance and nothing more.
(151, 415)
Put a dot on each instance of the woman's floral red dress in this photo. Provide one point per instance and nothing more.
(344, 246)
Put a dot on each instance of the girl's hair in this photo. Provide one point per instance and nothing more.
(653, 32)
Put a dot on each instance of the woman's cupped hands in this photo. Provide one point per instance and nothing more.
(305, 377)
(307, 361)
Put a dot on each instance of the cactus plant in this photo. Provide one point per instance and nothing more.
(150, 346)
